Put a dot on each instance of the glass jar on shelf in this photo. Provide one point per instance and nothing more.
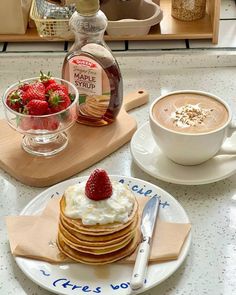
(188, 10)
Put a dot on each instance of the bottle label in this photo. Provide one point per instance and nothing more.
(93, 86)
(86, 75)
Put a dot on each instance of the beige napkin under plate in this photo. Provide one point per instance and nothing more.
(35, 236)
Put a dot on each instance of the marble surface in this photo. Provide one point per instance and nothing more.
(210, 266)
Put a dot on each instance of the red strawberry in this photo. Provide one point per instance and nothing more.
(98, 187)
(50, 123)
(55, 86)
(24, 86)
(25, 123)
(14, 101)
(36, 123)
(37, 107)
(46, 79)
(35, 90)
(58, 101)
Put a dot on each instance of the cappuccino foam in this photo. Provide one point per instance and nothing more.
(190, 113)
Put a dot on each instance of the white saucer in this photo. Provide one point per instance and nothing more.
(149, 158)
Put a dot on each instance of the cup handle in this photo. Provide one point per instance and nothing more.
(229, 149)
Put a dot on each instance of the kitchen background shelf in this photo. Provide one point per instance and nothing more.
(168, 29)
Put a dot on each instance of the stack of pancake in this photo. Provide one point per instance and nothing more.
(97, 244)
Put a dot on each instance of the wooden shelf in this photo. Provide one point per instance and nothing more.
(168, 29)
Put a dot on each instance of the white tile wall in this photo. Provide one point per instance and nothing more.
(113, 45)
(228, 9)
(227, 37)
(158, 44)
(116, 45)
(35, 46)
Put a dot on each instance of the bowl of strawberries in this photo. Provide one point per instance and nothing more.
(42, 109)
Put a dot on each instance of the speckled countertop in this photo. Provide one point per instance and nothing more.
(210, 267)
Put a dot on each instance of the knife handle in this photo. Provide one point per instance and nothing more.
(140, 266)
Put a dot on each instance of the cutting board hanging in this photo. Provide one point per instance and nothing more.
(87, 145)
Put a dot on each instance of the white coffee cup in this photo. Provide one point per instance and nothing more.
(192, 148)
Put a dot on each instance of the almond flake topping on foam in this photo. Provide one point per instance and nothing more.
(189, 115)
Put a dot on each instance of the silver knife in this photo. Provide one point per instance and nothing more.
(148, 222)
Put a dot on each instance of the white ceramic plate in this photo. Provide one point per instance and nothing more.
(109, 279)
(149, 158)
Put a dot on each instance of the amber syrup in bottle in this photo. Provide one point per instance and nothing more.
(91, 66)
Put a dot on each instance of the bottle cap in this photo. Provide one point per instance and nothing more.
(87, 7)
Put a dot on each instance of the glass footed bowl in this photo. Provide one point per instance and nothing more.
(43, 135)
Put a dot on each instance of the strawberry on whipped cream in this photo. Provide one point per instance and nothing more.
(116, 208)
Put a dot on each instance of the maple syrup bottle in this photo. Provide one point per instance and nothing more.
(92, 68)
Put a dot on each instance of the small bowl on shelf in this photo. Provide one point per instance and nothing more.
(43, 135)
(131, 18)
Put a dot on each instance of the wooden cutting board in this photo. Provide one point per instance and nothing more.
(87, 145)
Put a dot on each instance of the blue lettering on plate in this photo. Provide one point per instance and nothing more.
(67, 284)
(53, 195)
(79, 289)
(122, 181)
(76, 287)
(122, 285)
(143, 191)
(59, 280)
(44, 273)
(86, 289)
(114, 287)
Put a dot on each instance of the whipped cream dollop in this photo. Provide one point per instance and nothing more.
(189, 115)
(117, 208)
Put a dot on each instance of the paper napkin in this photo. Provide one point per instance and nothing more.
(35, 236)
